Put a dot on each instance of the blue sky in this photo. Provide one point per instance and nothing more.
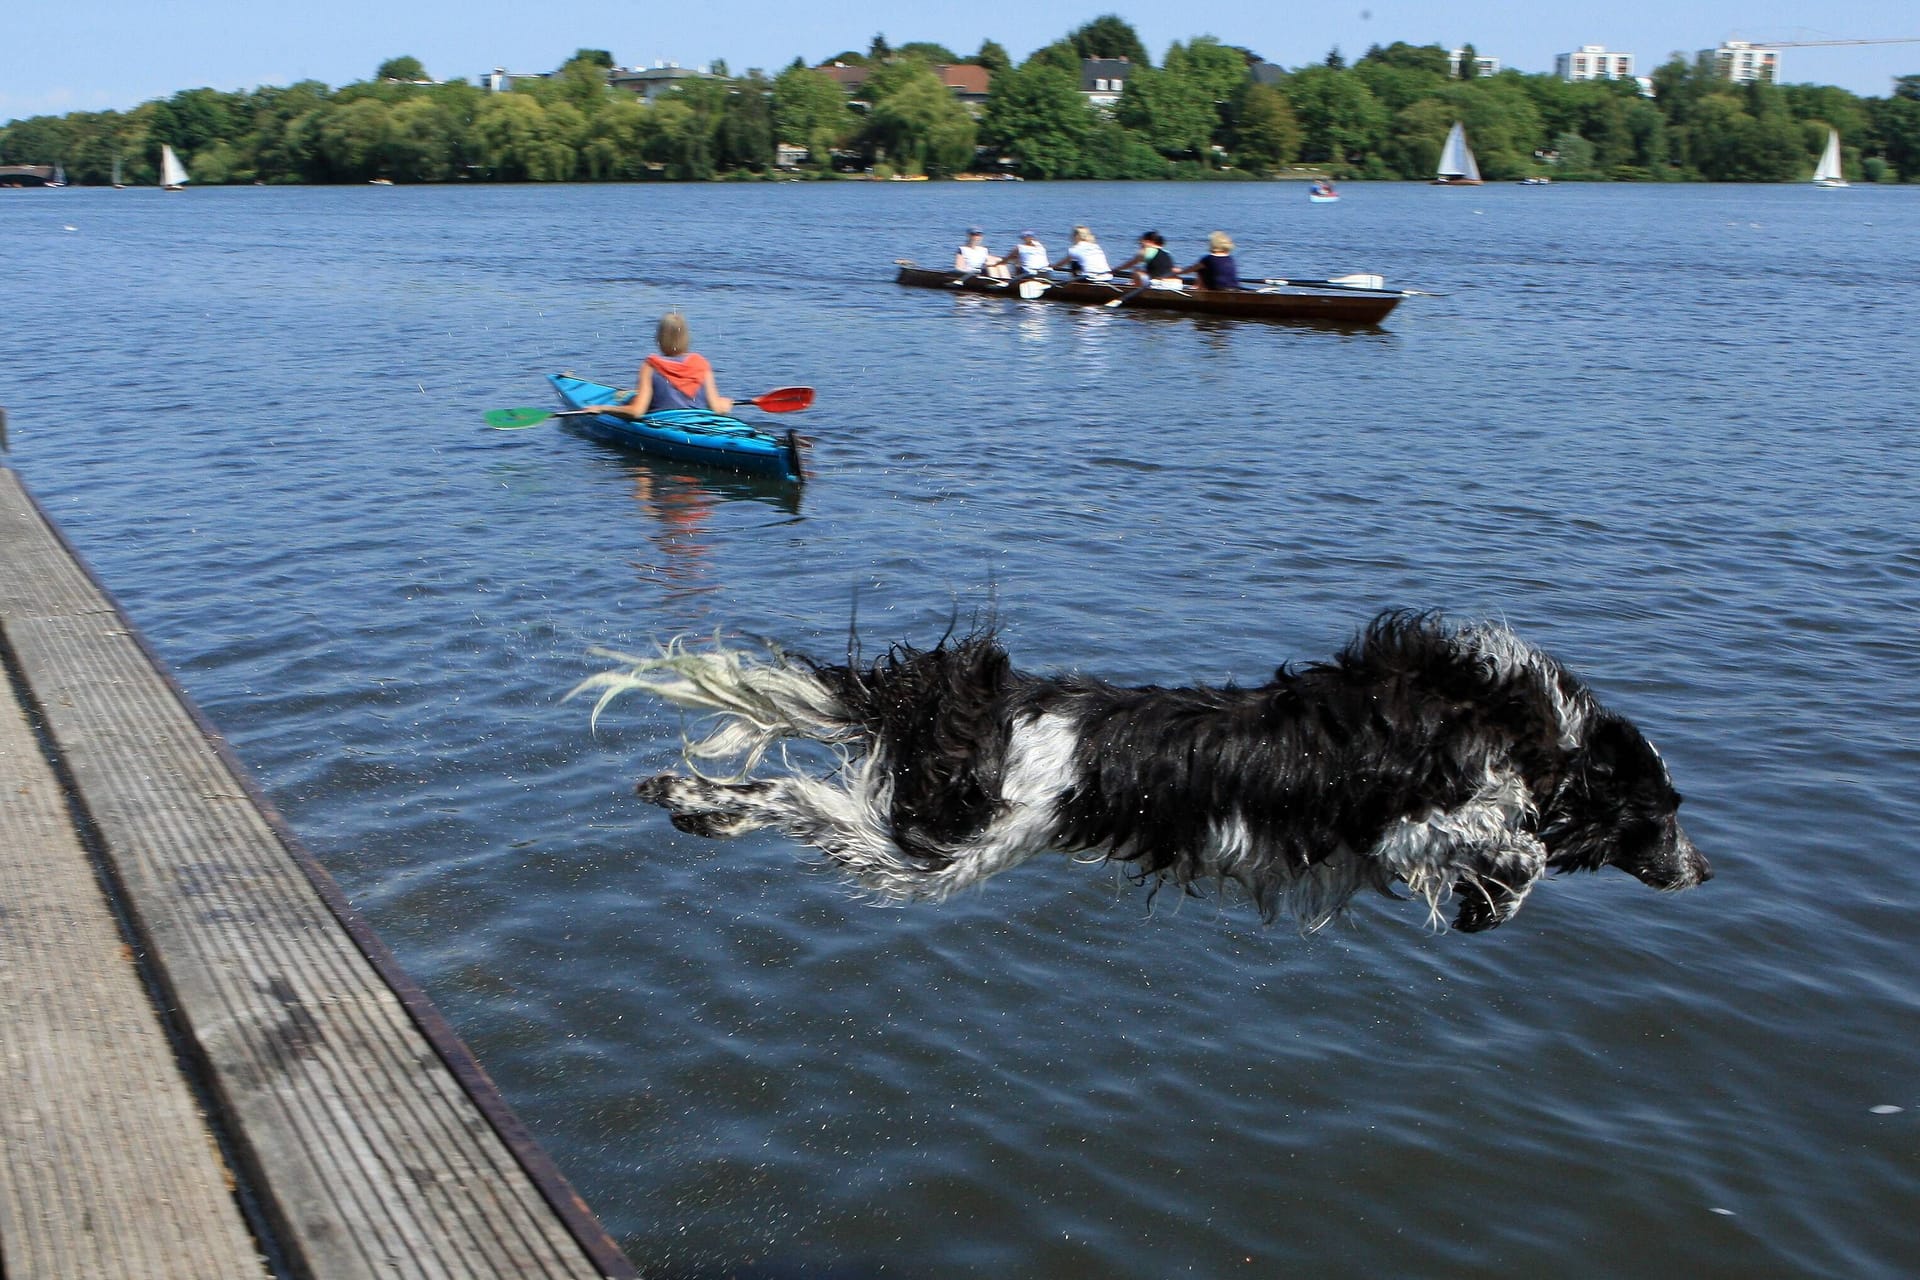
(84, 55)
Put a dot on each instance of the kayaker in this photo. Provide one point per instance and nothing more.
(1085, 258)
(1217, 270)
(972, 258)
(1031, 254)
(1154, 263)
(676, 378)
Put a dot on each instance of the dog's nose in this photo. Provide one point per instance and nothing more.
(1698, 869)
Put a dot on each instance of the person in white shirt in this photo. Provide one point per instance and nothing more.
(1032, 255)
(1085, 258)
(972, 257)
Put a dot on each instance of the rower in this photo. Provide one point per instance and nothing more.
(1217, 270)
(1085, 258)
(972, 257)
(1031, 253)
(1156, 269)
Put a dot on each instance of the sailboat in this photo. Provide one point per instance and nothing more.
(59, 178)
(1828, 174)
(173, 175)
(117, 184)
(1457, 168)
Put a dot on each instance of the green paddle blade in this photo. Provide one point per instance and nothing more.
(515, 419)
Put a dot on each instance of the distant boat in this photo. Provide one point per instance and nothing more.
(1536, 182)
(173, 175)
(117, 184)
(1322, 192)
(1828, 174)
(379, 182)
(59, 178)
(1457, 168)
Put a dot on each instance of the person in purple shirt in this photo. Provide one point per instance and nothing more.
(1217, 270)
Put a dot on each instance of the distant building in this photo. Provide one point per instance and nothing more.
(849, 77)
(788, 155)
(648, 83)
(963, 80)
(1594, 62)
(1742, 62)
(1102, 79)
(500, 80)
(1482, 65)
(967, 82)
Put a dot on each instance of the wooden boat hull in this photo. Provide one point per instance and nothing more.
(1345, 307)
(708, 439)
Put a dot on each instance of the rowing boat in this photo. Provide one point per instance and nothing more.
(1331, 305)
(683, 435)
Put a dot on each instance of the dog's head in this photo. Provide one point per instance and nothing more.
(1616, 807)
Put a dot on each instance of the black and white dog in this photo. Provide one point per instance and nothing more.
(1457, 761)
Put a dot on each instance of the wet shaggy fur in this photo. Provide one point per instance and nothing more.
(1458, 762)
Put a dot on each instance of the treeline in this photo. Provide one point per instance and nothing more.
(1201, 112)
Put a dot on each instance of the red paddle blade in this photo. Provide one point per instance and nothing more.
(784, 400)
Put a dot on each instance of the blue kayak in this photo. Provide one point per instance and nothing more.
(684, 435)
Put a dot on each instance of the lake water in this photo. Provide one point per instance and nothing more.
(1665, 432)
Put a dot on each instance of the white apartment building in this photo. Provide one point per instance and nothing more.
(1593, 62)
(1482, 65)
(1741, 62)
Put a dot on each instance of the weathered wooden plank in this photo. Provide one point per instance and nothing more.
(374, 1141)
(107, 1167)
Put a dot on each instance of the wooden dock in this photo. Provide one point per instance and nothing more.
(209, 1064)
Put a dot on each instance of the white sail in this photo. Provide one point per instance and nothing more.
(173, 174)
(116, 172)
(1828, 174)
(1456, 158)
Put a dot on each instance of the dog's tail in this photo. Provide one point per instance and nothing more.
(754, 701)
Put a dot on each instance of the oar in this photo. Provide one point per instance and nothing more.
(1355, 282)
(1128, 296)
(779, 400)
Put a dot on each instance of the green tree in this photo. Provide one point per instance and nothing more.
(1037, 116)
(517, 139)
(1263, 133)
(193, 118)
(1172, 112)
(37, 140)
(993, 57)
(743, 138)
(928, 51)
(404, 68)
(1896, 124)
(1217, 69)
(1430, 58)
(1340, 119)
(810, 110)
(353, 138)
(1115, 151)
(920, 124)
(1109, 36)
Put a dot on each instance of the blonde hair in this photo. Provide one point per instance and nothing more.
(1220, 242)
(1082, 233)
(671, 336)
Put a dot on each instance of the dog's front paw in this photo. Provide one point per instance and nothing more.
(658, 789)
(1484, 906)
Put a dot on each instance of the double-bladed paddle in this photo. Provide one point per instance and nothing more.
(779, 400)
